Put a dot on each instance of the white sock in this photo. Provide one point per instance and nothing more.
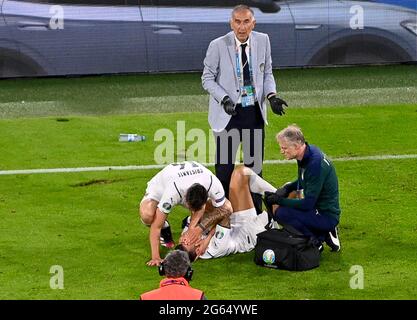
(166, 225)
(259, 185)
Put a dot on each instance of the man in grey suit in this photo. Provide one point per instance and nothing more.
(238, 76)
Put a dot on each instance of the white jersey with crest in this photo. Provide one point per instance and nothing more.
(170, 185)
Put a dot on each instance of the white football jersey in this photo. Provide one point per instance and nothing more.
(240, 237)
(170, 185)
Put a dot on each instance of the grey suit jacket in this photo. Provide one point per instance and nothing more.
(220, 79)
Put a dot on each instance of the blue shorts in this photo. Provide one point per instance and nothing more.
(310, 223)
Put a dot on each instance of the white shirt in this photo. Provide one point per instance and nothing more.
(176, 179)
(240, 237)
(239, 50)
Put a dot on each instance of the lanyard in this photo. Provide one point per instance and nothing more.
(238, 71)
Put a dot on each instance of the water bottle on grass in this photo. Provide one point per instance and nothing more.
(131, 137)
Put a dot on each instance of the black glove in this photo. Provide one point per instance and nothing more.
(277, 105)
(229, 106)
(272, 198)
(282, 192)
(286, 189)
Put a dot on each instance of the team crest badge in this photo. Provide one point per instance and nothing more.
(219, 234)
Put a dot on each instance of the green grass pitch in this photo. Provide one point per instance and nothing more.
(87, 222)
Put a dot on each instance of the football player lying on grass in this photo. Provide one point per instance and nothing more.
(227, 232)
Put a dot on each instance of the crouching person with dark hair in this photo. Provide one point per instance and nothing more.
(176, 184)
(176, 267)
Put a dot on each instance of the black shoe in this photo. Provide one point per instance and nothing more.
(257, 202)
(317, 243)
(268, 208)
(270, 224)
(185, 222)
(332, 240)
(166, 239)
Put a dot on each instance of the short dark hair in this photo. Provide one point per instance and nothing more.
(191, 254)
(196, 196)
(176, 264)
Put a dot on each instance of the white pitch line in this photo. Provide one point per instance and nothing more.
(160, 166)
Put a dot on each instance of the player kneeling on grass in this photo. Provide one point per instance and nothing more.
(315, 212)
(173, 185)
(230, 233)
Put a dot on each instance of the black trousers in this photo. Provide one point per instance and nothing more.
(245, 128)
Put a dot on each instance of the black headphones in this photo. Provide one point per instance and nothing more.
(188, 275)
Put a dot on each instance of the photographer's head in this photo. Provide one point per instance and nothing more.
(175, 265)
(196, 197)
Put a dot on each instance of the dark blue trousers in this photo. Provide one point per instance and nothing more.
(249, 118)
(310, 223)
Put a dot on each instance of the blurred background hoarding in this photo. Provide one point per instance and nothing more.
(64, 37)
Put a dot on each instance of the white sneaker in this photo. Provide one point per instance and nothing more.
(332, 240)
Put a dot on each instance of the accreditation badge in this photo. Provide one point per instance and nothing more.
(248, 96)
